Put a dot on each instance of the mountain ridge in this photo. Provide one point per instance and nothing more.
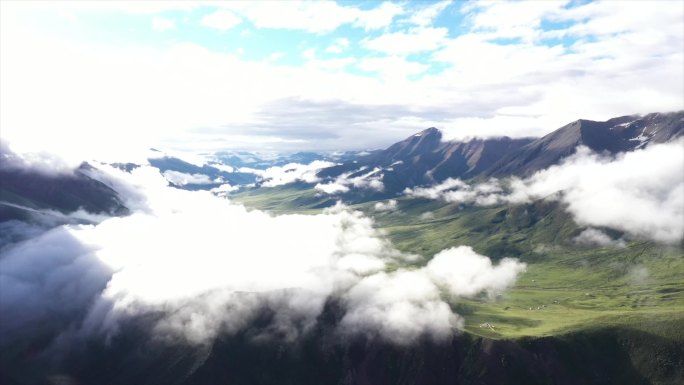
(425, 158)
(620, 134)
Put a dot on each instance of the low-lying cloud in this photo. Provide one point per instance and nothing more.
(371, 180)
(210, 266)
(181, 178)
(224, 189)
(406, 304)
(41, 162)
(639, 192)
(456, 190)
(390, 205)
(289, 173)
(596, 237)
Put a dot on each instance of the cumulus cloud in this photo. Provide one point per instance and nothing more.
(390, 205)
(405, 304)
(224, 189)
(596, 237)
(162, 24)
(315, 17)
(400, 306)
(339, 45)
(415, 40)
(182, 178)
(465, 273)
(289, 173)
(426, 15)
(332, 188)
(204, 266)
(457, 191)
(427, 215)
(640, 192)
(222, 20)
(223, 167)
(371, 180)
(380, 16)
(41, 162)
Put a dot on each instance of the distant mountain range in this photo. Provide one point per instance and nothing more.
(262, 161)
(426, 158)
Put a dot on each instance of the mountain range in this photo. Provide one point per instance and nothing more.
(427, 158)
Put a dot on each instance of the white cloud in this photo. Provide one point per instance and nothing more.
(162, 24)
(426, 15)
(403, 305)
(596, 237)
(309, 54)
(392, 68)
(181, 178)
(415, 40)
(513, 20)
(379, 17)
(612, 17)
(456, 191)
(400, 306)
(466, 273)
(539, 89)
(221, 19)
(224, 189)
(339, 45)
(41, 162)
(435, 192)
(223, 167)
(427, 215)
(390, 205)
(311, 16)
(290, 173)
(275, 56)
(640, 192)
(371, 180)
(332, 188)
(215, 265)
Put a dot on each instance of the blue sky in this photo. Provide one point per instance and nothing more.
(287, 46)
(328, 75)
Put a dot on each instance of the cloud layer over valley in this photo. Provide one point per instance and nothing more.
(209, 266)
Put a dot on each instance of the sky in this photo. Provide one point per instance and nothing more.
(91, 78)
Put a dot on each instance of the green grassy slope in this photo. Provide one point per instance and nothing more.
(565, 288)
(284, 199)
